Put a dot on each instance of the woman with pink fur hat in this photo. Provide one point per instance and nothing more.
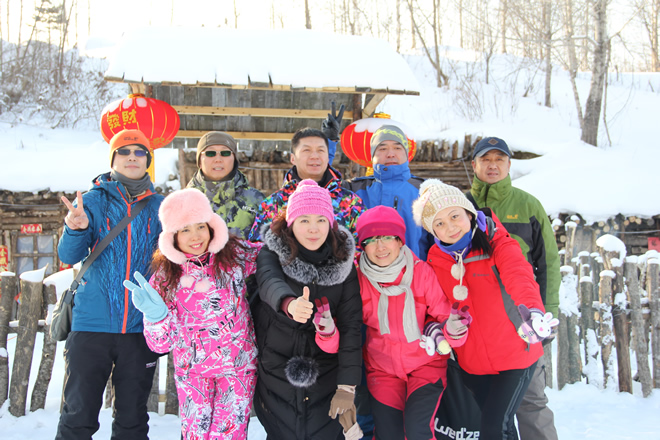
(195, 305)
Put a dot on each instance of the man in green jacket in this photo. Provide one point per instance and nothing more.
(525, 219)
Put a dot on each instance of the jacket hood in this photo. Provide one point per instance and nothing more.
(332, 273)
(392, 172)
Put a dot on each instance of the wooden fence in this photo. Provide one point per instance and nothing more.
(609, 306)
(32, 322)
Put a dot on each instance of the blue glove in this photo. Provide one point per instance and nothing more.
(146, 299)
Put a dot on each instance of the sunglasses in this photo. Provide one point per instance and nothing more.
(381, 238)
(223, 153)
(126, 152)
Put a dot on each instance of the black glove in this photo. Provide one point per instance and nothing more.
(332, 125)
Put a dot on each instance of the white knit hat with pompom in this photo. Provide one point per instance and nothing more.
(434, 196)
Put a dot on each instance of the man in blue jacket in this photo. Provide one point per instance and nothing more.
(392, 184)
(106, 331)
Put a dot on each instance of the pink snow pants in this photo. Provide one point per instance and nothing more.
(216, 408)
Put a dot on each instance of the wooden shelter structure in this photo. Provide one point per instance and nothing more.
(258, 86)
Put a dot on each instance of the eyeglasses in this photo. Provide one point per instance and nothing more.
(382, 238)
(212, 153)
(126, 152)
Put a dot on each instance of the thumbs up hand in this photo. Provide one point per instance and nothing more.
(301, 309)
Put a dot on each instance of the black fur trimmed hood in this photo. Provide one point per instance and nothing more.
(332, 273)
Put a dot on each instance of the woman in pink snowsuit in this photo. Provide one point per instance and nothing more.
(195, 306)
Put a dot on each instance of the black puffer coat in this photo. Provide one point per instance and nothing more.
(287, 411)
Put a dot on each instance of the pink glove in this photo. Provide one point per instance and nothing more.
(433, 340)
(459, 321)
(323, 321)
(536, 326)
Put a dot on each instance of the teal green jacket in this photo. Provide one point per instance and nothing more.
(525, 219)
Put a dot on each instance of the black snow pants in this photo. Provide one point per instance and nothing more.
(90, 357)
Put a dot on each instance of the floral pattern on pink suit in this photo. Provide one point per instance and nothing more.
(209, 330)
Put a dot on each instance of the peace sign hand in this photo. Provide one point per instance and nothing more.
(77, 217)
(332, 124)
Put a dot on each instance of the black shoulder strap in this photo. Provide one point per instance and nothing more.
(106, 241)
(470, 197)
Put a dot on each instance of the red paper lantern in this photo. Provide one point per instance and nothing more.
(153, 117)
(356, 138)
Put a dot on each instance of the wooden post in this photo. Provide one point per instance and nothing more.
(549, 376)
(639, 331)
(152, 402)
(568, 354)
(40, 389)
(653, 269)
(562, 340)
(172, 400)
(610, 249)
(596, 263)
(28, 320)
(621, 331)
(570, 227)
(605, 312)
(7, 292)
(109, 397)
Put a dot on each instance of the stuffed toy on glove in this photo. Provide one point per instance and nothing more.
(433, 340)
(536, 325)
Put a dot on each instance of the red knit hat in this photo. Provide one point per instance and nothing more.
(381, 220)
(309, 199)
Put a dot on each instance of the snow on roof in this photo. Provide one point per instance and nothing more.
(289, 58)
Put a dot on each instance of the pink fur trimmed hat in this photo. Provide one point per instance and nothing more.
(186, 207)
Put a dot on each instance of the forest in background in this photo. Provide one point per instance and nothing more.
(43, 73)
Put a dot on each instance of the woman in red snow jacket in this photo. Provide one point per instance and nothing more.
(410, 327)
(479, 265)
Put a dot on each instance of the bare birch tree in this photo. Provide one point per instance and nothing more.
(431, 45)
(534, 26)
(572, 67)
(598, 74)
(649, 14)
(308, 17)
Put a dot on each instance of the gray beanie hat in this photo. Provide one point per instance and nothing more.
(388, 133)
(216, 138)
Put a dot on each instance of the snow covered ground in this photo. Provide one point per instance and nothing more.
(581, 412)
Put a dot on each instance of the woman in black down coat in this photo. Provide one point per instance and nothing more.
(307, 373)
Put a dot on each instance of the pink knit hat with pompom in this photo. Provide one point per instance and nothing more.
(187, 207)
(309, 199)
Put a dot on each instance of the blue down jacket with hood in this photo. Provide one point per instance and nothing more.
(395, 186)
(102, 304)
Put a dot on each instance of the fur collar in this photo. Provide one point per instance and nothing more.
(332, 273)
